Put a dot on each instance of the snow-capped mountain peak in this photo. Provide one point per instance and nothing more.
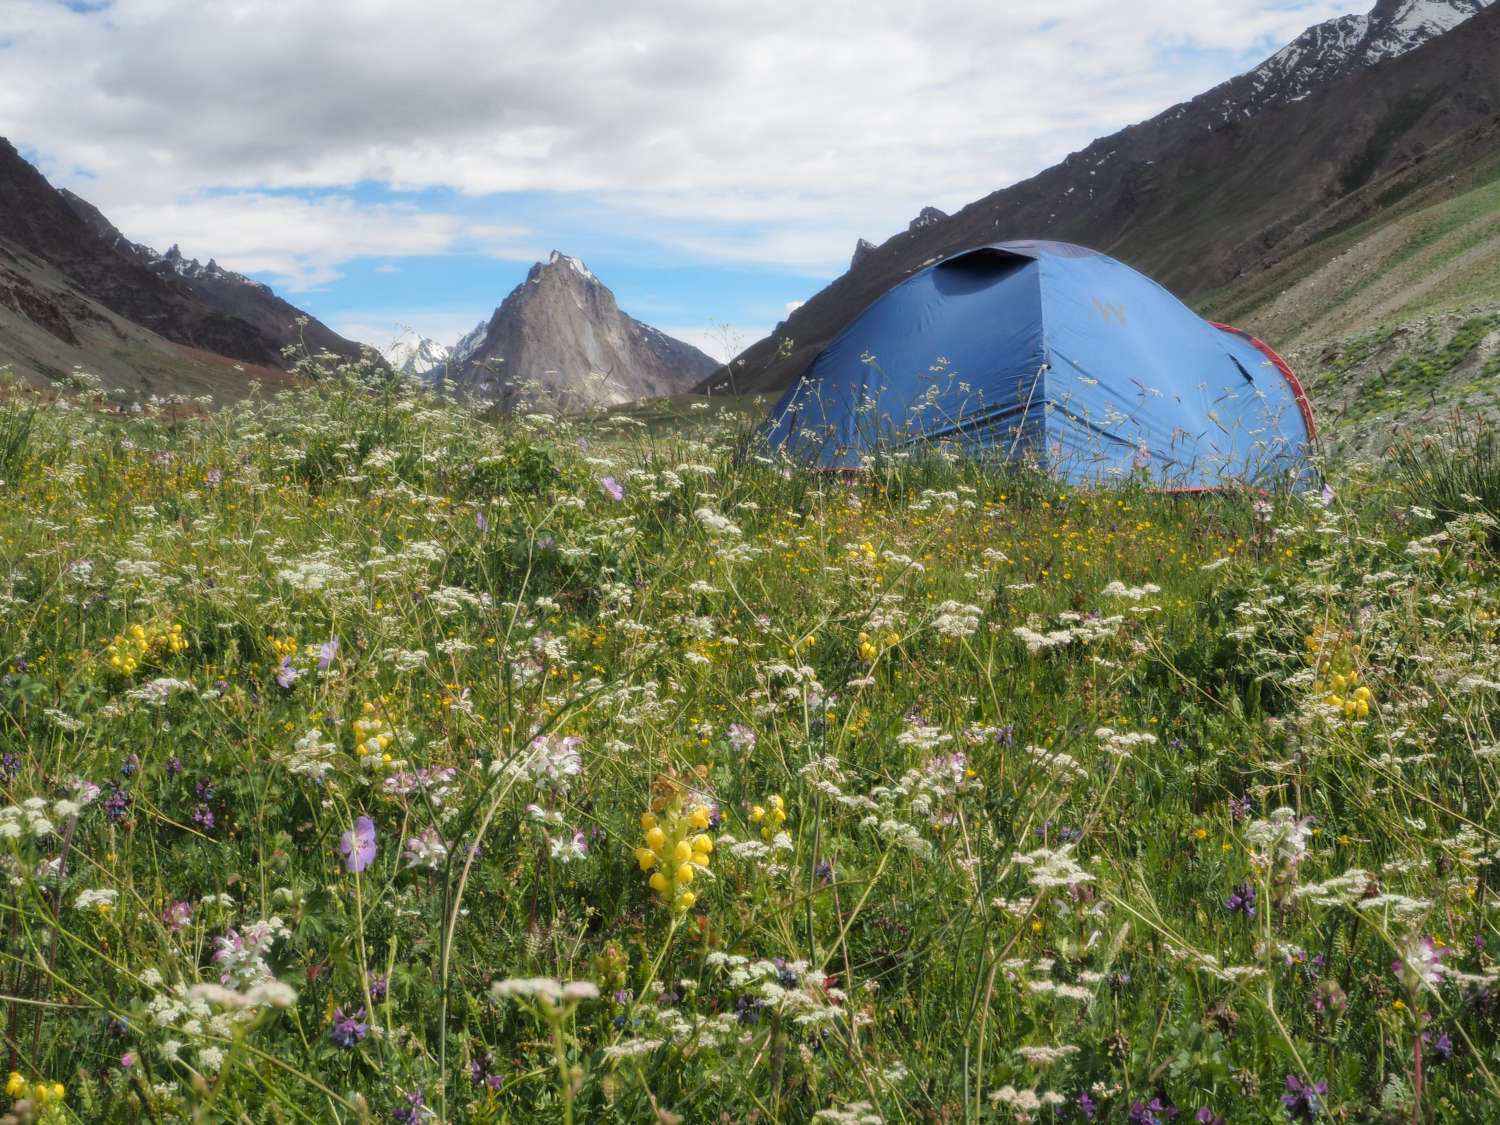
(1337, 47)
(415, 355)
(468, 343)
(572, 263)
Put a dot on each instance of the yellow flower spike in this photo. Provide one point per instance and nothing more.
(57, 1091)
(659, 882)
(699, 818)
(646, 858)
(39, 1092)
(682, 852)
(757, 814)
(704, 844)
(16, 1085)
(685, 901)
(685, 873)
(656, 839)
(648, 822)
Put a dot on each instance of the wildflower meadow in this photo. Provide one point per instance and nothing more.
(366, 757)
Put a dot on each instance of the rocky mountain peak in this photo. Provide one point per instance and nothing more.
(559, 341)
(926, 217)
(573, 265)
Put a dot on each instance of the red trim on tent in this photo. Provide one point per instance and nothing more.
(1286, 373)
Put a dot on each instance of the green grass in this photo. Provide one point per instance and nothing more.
(990, 768)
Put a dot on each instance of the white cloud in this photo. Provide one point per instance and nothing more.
(774, 132)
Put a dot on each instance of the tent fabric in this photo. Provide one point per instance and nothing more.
(1058, 355)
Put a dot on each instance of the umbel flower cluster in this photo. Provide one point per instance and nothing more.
(677, 848)
(141, 643)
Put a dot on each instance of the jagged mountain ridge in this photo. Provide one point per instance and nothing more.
(560, 341)
(1216, 187)
(240, 296)
(1337, 48)
(39, 227)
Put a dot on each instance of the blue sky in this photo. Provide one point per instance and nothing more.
(384, 163)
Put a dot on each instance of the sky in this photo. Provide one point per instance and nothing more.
(400, 164)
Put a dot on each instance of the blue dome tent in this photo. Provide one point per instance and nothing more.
(1057, 355)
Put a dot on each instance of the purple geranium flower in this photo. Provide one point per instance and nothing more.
(358, 845)
(286, 675)
(613, 487)
(480, 522)
(326, 652)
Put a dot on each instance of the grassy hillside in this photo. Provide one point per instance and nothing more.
(365, 759)
(1391, 312)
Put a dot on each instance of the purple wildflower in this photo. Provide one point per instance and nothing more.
(1421, 965)
(326, 652)
(1440, 1050)
(1085, 1105)
(1206, 1116)
(480, 522)
(613, 487)
(1242, 901)
(1303, 1098)
(286, 675)
(1329, 997)
(411, 1113)
(178, 915)
(348, 1030)
(358, 845)
(1239, 809)
(741, 738)
(117, 803)
(380, 985)
(1153, 1114)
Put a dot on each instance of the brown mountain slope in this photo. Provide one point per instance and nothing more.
(37, 222)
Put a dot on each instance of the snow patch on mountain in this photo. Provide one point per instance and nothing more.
(572, 263)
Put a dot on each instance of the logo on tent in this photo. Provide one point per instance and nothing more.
(1106, 309)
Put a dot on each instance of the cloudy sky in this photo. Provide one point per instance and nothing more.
(402, 162)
